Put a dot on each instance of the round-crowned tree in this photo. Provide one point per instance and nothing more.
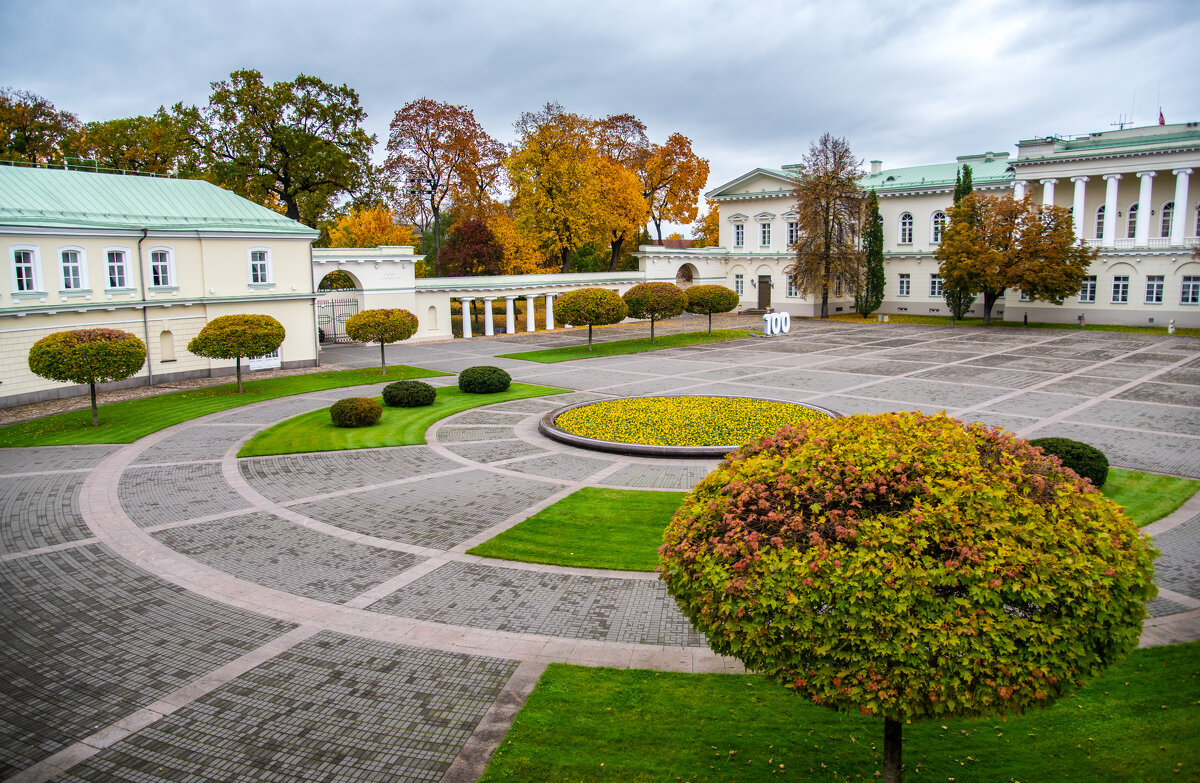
(88, 356)
(709, 299)
(590, 307)
(908, 567)
(383, 326)
(236, 337)
(656, 301)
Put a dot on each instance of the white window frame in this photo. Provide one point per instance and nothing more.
(904, 286)
(1131, 215)
(1087, 290)
(82, 270)
(1100, 222)
(1120, 289)
(937, 227)
(935, 286)
(1167, 212)
(35, 262)
(793, 232)
(1189, 290)
(1155, 285)
(739, 234)
(906, 228)
(126, 269)
(764, 233)
(172, 282)
(269, 272)
(739, 284)
(1024, 297)
(792, 290)
(838, 288)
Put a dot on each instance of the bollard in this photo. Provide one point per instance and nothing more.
(1171, 326)
(1025, 320)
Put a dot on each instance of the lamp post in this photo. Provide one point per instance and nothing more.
(421, 187)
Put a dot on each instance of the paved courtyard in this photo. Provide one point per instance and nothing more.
(174, 613)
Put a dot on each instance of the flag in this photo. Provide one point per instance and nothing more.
(1161, 120)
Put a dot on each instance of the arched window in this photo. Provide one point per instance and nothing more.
(906, 228)
(1168, 211)
(1100, 222)
(1131, 228)
(939, 225)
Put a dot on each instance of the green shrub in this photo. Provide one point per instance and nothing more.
(1087, 461)
(355, 412)
(483, 380)
(408, 394)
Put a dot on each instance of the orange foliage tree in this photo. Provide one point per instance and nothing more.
(707, 230)
(369, 227)
(672, 178)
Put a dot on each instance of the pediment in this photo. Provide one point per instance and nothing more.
(756, 181)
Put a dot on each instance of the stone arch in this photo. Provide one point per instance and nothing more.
(685, 276)
(331, 279)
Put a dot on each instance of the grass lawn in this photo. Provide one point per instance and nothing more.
(125, 422)
(591, 528)
(1138, 722)
(619, 347)
(944, 320)
(399, 426)
(1147, 497)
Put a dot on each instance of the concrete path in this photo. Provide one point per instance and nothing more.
(174, 613)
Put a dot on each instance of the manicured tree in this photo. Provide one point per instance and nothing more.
(590, 306)
(908, 567)
(870, 294)
(383, 326)
(655, 301)
(88, 356)
(709, 299)
(238, 336)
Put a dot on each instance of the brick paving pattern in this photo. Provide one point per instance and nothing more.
(46, 507)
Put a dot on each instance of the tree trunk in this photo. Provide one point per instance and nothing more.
(589, 337)
(95, 416)
(615, 245)
(239, 373)
(658, 229)
(710, 322)
(990, 298)
(566, 260)
(652, 331)
(382, 359)
(893, 736)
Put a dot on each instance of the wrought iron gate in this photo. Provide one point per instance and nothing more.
(332, 314)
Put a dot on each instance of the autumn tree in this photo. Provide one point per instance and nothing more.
(298, 145)
(88, 356)
(158, 144)
(672, 179)
(655, 301)
(707, 230)
(709, 299)
(32, 129)
(829, 206)
(995, 243)
(369, 227)
(238, 337)
(959, 299)
(383, 326)
(472, 250)
(590, 307)
(439, 154)
(337, 280)
(870, 291)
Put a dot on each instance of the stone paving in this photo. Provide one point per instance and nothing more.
(174, 613)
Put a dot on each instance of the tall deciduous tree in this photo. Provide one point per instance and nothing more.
(369, 227)
(297, 144)
(994, 243)
(672, 179)
(88, 356)
(159, 144)
(870, 292)
(32, 129)
(829, 206)
(471, 250)
(440, 155)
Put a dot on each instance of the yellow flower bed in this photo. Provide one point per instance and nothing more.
(683, 421)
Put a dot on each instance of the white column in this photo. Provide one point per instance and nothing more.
(1180, 214)
(510, 317)
(549, 311)
(1110, 210)
(466, 310)
(1048, 191)
(489, 329)
(1019, 189)
(1141, 233)
(1078, 205)
(530, 322)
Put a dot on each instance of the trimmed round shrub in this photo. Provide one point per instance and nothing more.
(1087, 461)
(88, 356)
(355, 412)
(408, 394)
(483, 380)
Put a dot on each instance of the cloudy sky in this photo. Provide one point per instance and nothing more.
(751, 83)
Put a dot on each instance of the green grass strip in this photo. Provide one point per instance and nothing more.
(944, 320)
(591, 528)
(314, 431)
(1138, 722)
(125, 422)
(1147, 497)
(621, 347)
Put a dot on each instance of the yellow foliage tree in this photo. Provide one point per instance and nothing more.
(672, 179)
(369, 227)
(521, 256)
(707, 230)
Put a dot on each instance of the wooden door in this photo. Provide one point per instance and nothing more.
(764, 292)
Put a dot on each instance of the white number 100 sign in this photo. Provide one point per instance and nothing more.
(776, 323)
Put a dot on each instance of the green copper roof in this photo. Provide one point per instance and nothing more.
(83, 199)
(983, 171)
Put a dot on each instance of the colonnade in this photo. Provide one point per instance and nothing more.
(510, 320)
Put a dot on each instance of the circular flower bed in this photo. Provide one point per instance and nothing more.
(674, 426)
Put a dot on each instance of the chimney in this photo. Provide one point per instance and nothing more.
(876, 166)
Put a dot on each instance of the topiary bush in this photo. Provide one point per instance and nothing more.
(408, 394)
(383, 326)
(709, 299)
(590, 307)
(483, 380)
(905, 566)
(88, 356)
(1087, 461)
(239, 336)
(355, 412)
(656, 301)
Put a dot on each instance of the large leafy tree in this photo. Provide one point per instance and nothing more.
(159, 144)
(439, 154)
(995, 243)
(88, 356)
(237, 337)
(297, 146)
(870, 292)
(672, 178)
(369, 227)
(656, 301)
(959, 299)
(32, 129)
(829, 206)
(590, 307)
(471, 250)
(707, 230)
(383, 326)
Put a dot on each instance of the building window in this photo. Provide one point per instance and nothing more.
(1154, 289)
(1191, 290)
(25, 271)
(73, 272)
(739, 235)
(739, 285)
(117, 269)
(1196, 228)
(939, 227)
(1087, 291)
(935, 286)
(905, 285)
(1168, 211)
(792, 229)
(1100, 222)
(1024, 297)
(764, 234)
(260, 266)
(791, 287)
(906, 229)
(161, 269)
(1131, 227)
(837, 287)
(1120, 289)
